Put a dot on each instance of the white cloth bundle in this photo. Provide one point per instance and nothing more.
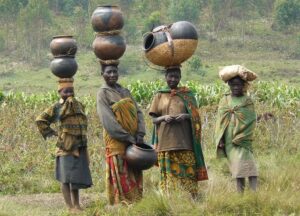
(228, 72)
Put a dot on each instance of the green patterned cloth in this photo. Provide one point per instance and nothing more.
(236, 121)
(178, 169)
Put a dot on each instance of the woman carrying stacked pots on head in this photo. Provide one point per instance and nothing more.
(177, 124)
(122, 120)
(72, 160)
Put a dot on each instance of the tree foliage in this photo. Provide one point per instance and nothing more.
(33, 22)
(184, 10)
(38, 20)
(288, 12)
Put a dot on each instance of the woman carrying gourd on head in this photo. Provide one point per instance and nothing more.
(177, 136)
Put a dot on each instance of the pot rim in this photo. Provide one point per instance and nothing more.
(63, 56)
(105, 6)
(146, 37)
(136, 146)
(62, 36)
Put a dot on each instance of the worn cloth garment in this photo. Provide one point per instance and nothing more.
(74, 170)
(235, 124)
(175, 136)
(123, 184)
(178, 170)
(72, 156)
(106, 97)
(122, 121)
(72, 124)
(182, 139)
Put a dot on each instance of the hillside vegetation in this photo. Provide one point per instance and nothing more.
(263, 35)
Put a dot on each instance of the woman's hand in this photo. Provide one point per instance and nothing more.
(165, 118)
(181, 117)
(139, 139)
(169, 118)
(221, 144)
(52, 135)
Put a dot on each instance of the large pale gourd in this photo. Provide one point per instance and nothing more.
(171, 45)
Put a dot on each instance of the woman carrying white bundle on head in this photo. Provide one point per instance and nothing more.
(235, 126)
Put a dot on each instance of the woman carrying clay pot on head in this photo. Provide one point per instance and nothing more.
(123, 124)
(235, 126)
(72, 159)
(177, 136)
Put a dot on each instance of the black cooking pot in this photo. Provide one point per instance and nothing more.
(141, 156)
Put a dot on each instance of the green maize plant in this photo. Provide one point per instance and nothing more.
(272, 93)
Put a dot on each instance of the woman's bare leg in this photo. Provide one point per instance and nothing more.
(75, 198)
(253, 182)
(66, 191)
(240, 184)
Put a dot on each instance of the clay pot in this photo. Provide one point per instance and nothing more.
(63, 67)
(63, 45)
(171, 45)
(107, 18)
(141, 157)
(109, 47)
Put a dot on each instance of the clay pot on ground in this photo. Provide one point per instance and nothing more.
(107, 18)
(140, 157)
(63, 45)
(64, 67)
(109, 47)
(171, 45)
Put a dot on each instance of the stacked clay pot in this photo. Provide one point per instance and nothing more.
(63, 49)
(171, 45)
(107, 22)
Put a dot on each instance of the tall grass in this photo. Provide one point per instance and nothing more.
(27, 161)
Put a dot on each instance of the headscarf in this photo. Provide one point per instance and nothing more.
(65, 83)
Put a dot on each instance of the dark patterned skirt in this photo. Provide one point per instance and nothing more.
(74, 170)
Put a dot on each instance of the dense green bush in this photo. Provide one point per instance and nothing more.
(287, 12)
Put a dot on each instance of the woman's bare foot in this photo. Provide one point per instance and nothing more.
(76, 210)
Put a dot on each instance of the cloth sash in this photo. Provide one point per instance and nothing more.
(125, 113)
(244, 118)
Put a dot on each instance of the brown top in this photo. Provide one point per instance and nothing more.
(174, 135)
(106, 97)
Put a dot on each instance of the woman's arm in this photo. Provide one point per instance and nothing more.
(44, 121)
(113, 128)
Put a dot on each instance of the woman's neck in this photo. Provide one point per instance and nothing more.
(232, 95)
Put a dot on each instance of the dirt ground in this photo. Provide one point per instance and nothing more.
(40, 204)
